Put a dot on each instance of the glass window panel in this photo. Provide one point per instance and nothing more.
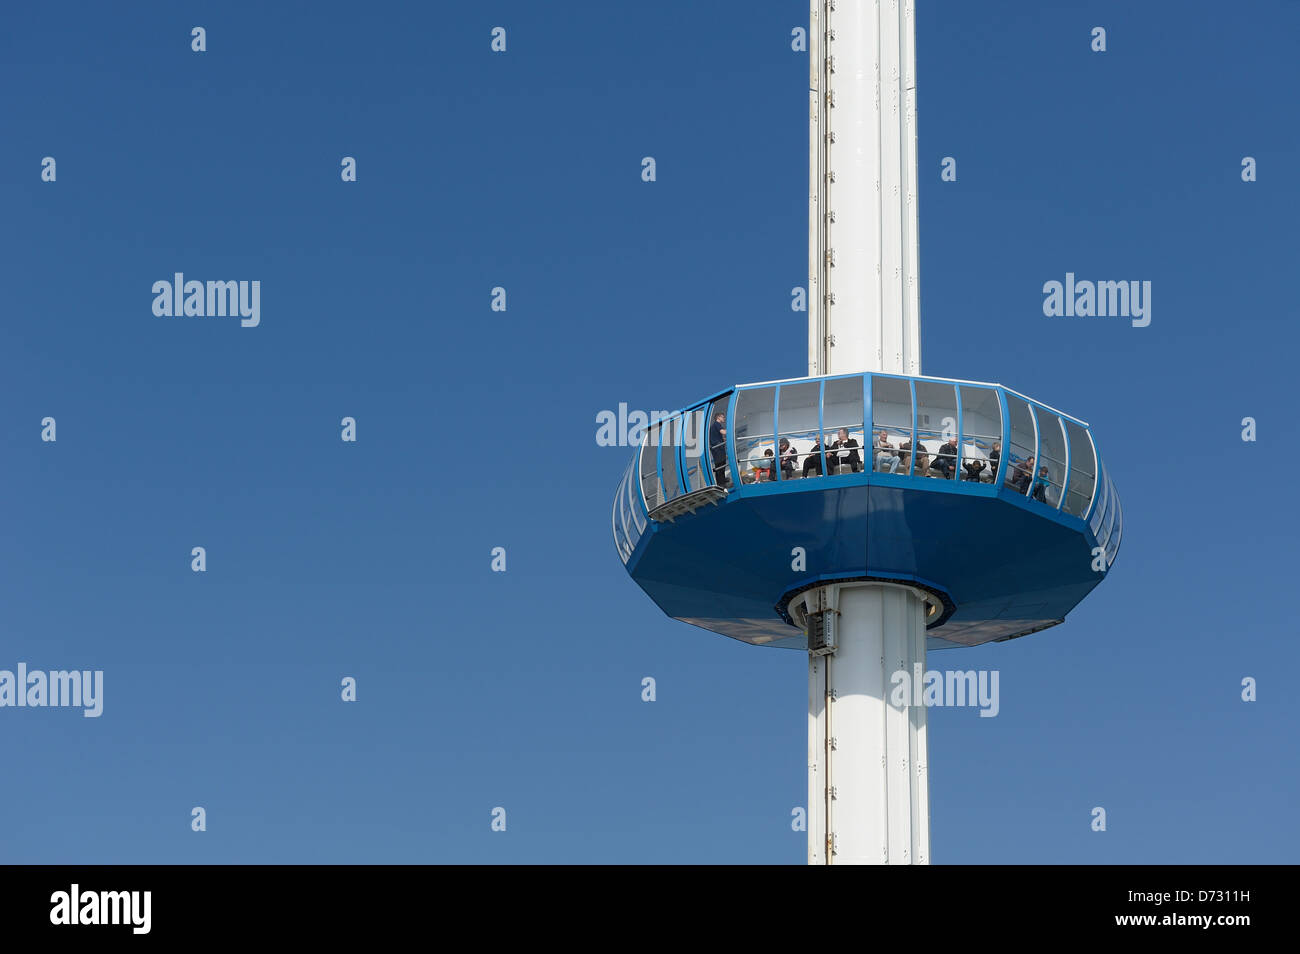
(634, 504)
(716, 438)
(650, 487)
(1108, 522)
(671, 432)
(1112, 545)
(936, 428)
(693, 439)
(1099, 511)
(622, 524)
(981, 433)
(891, 412)
(1083, 470)
(1020, 456)
(618, 541)
(754, 441)
(845, 435)
(1049, 472)
(799, 406)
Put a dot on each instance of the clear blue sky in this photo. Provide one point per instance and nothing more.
(476, 428)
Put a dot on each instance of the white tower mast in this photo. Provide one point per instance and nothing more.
(868, 788)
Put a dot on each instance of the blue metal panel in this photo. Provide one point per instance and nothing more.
(725, 568)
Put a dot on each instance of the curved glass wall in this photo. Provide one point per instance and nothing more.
(715, 437)
(1083, 470)
(1099, 509)
(651, 489)
(1022, 447)
(891, 425)
(1112, 545)
(981, 433)
(933, 429)
(936, 428)
(669, 433)
(629, 515)
(755, 435)
(620, 528)
(636, 526)
(1108, 517)
(843, 437)
(1049, 471)
(693, 450)
(799, 420)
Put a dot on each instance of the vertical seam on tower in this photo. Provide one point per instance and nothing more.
(905, 237)
(880, 196)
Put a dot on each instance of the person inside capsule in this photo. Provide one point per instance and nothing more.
(846, 453)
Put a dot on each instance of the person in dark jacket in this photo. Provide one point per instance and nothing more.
(846, 451)
(788, 458)
(1024, 473)
(813, 462)
(945, 462)
(1040, 485)
(718, 448)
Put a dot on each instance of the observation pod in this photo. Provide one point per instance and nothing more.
(993, 508)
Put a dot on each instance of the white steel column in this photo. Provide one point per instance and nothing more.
(868, 783)
(863, 286)
(868, 792)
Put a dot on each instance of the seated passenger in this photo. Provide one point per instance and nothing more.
(886, 458)
(990, 471)
(766, 468)
(974, 468)
(1040, 485)
(813, 462)
(945, 462)
(922, 458)
(789, 456)
(846, 453)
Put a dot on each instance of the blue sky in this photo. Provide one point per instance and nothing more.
(476, 428)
